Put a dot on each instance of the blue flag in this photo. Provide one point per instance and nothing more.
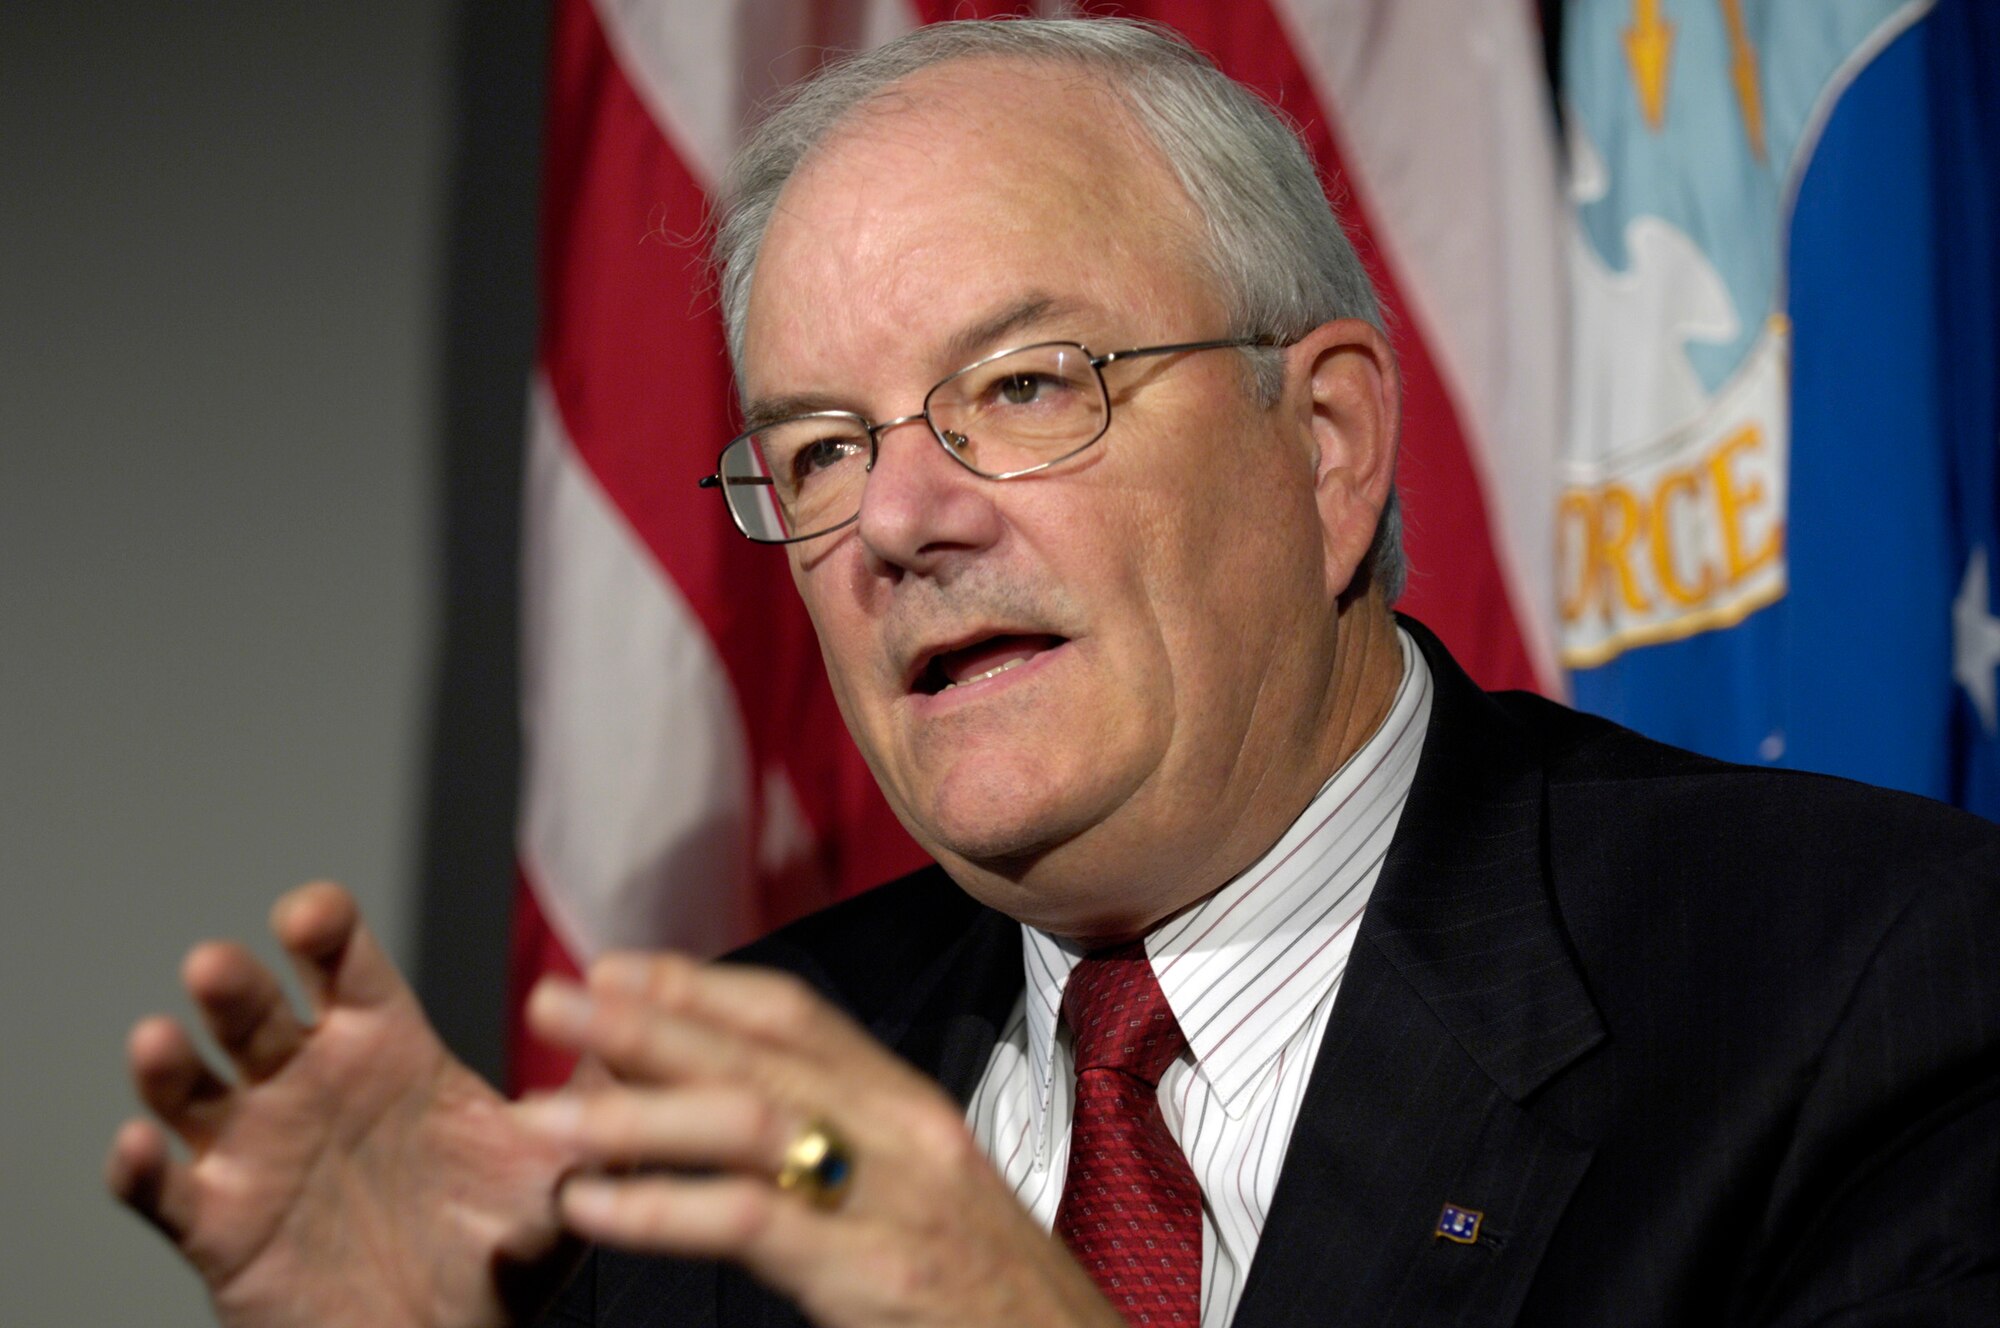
(1777, 533)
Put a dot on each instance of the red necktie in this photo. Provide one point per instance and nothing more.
(1131, 1211)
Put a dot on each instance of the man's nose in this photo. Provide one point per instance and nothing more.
(920, 507)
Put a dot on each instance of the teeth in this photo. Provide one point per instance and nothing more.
(993, 672)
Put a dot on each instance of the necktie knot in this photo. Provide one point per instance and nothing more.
(1118, 1017)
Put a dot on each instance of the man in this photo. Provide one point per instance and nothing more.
(1067, 399)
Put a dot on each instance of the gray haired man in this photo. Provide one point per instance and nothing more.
(1070, 408)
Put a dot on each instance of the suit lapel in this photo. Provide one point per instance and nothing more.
(1460, 1001)
(948, 1029)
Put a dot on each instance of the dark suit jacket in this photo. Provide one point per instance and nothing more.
(1703, 1044)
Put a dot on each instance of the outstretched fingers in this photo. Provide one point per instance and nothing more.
(337, 957)
(704, 1218)
(767, 1006)
(141, 1173)
(752, 1121)
(641, 1041)
(710, 1127)
(244, 1008)
(175, 1083)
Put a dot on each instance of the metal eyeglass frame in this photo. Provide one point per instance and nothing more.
(874, 431)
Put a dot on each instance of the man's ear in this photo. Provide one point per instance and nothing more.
(1343, 382)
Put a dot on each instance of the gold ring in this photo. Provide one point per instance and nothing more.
(817, 1166)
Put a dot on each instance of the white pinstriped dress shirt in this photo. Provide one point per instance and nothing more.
(1251, 973)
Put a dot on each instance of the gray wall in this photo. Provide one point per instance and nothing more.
(231, 611)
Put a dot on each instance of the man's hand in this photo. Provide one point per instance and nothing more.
(354, 1173)
(719, 1069)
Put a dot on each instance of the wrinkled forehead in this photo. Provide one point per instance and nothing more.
(958, 191)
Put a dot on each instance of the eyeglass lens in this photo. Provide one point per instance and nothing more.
(1014, 413)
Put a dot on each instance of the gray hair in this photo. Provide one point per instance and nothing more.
(1274, 249)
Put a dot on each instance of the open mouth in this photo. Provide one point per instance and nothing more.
(981, 660)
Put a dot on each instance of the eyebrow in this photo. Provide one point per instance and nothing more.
(1032, 309)
(963, 347)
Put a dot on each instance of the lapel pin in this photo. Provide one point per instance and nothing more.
(1458, 1224)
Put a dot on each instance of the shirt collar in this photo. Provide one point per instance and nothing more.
(1245, 968)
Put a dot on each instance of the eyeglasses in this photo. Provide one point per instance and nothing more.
(1011, 414)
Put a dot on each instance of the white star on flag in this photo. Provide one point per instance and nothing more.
(1976, 640)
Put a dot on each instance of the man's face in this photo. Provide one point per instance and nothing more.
(1072, 687)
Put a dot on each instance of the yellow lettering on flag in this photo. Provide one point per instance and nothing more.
(1735, 498)
(1680, 549)
(1670, 516)
(1629, 524)
(1665, 531)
